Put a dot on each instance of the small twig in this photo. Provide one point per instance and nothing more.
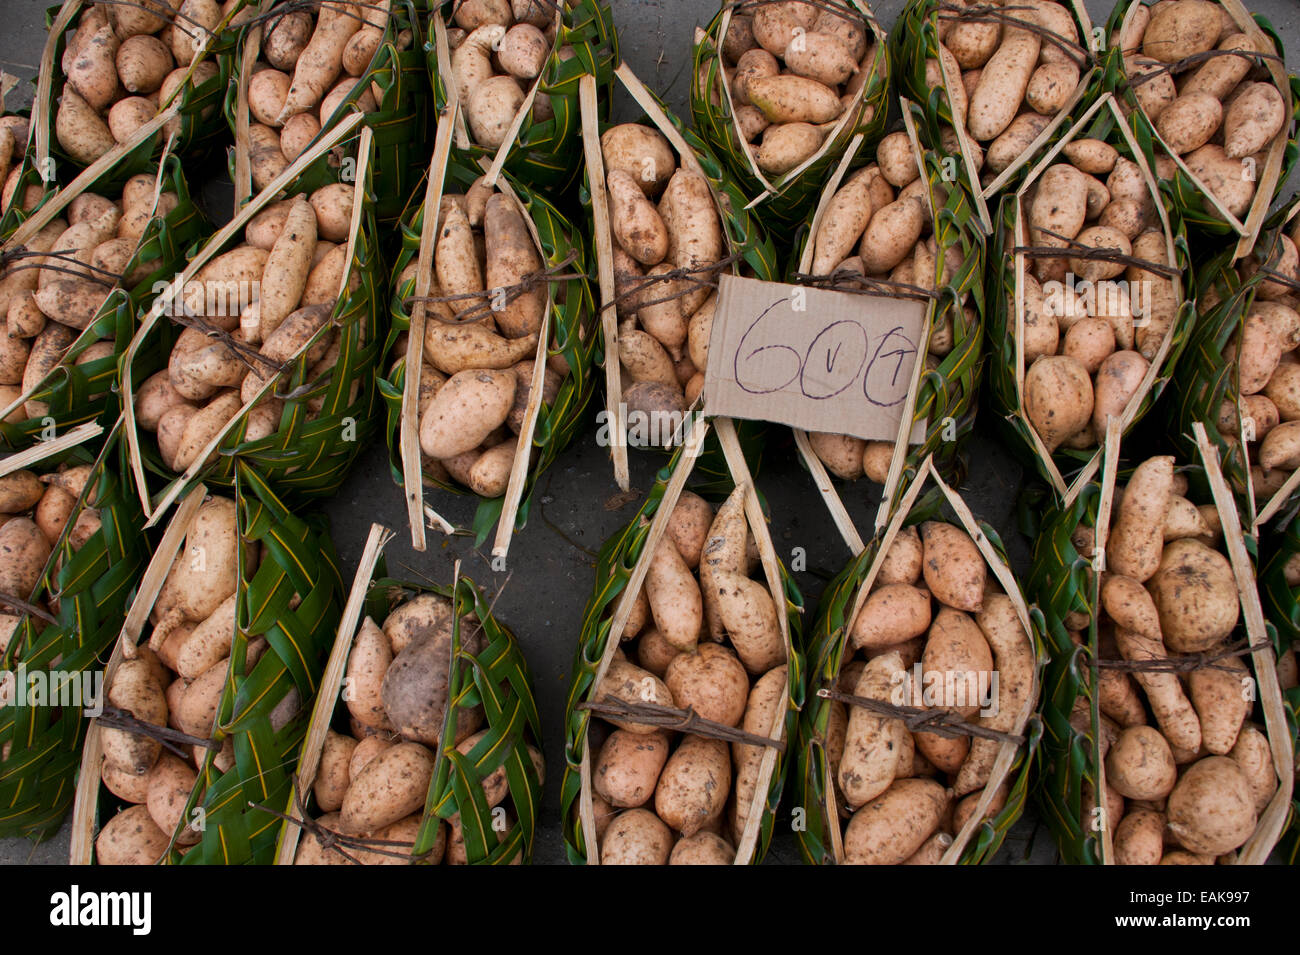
(332, 839)
(1184, 663)
(1076, 250)
(241, 350)
(940, 722)
(991, 14)
(119, 719)
(847, 280)
(27, 608)
(1195, 59)
(670, 717)
(688, 277)
(511, 292)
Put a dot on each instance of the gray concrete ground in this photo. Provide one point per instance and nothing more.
(577, 506)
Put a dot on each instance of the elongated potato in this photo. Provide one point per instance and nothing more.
(892, 827)
(874, 746)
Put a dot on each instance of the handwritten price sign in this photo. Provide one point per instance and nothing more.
(812, 358)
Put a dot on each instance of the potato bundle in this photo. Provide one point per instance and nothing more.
(781, 88)
(113, 67)
(1241, 376)
(371, 763)
(693, 630)
(515, 67)
(876, 228)
(71, 288)
(264, 343)
(72, 546)
(1211, 84)
(930, 621)
(1007, 76)
(506, 346)
(237, 606)
(299, 68)
(1192, 763)
(1092, 311)
(668, 212)
(663, 219)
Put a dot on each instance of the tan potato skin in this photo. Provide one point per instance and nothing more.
(675, 600)
(1211, 810)
(953, 567)
(902, 562)
(1013, 660)
(1139, 838)
(1140, 764)
(688, 526)
(875, 747)
(130, 838)
(703, 848)
(694, 784)
(1181, 30)
(842, 224)
(1196, 595)
(636, 837)
(891, 828)
(632, 684)
(368, 661)
(793, 99)
(332, 777)
(766, 701)
(511, 257)
(642, 152)
(391, 786)
(893, 614)
(1220, 699)
(1002, 85)
(468, 408)
(711, 681)
(135, 689)
(1254, 758)
(637, 225)
(724, 551)
(1134, 547)
(750, 617)
(628, 766)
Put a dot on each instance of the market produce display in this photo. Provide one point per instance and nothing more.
(1091, 308)
(299, 70)
(116, 75)
(71, 291)
(491, 343)
(445, 215)
(687, 681)
(1167, 741)
(71, 551)
(1208, 81)
(1004, 78)
(667, 220)
(224, 646)
(782, 87)
(515, 68)
(876, 230)
(916, 750)
(1240, 374)
(280, 302)
(399, 765)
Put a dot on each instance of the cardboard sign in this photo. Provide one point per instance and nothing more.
(812, 358)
